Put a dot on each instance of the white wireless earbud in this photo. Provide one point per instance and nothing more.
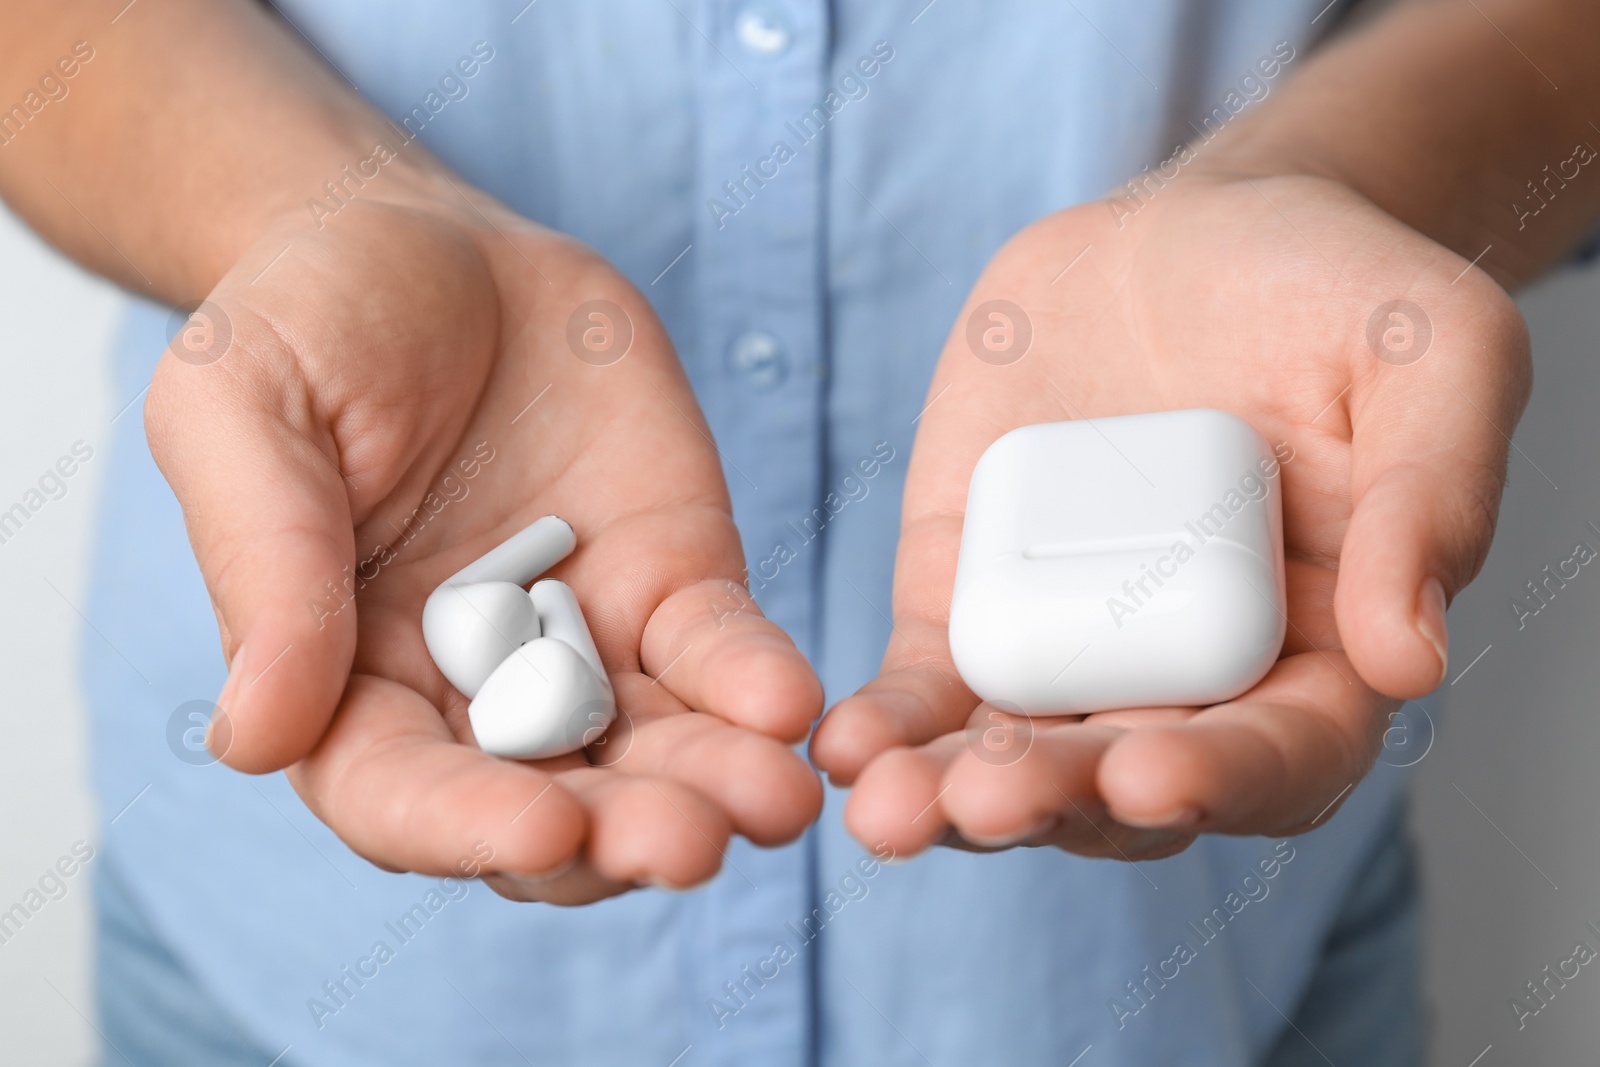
(482, 613)
(551, 696)
(526, 660)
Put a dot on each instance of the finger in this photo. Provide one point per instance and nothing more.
(1430, 442)
(1045, 793)
(899, 708)
(712, 648)
(918, 695)
(913, 705)
(269, 521)
(1276, 759)
(643, 832)
(390, 780)
(896, 798)
(1039, 791)
(1016, 794)
(646, 831)
(1094, 833)
(673, 837)
(570, 887)
(767, 791)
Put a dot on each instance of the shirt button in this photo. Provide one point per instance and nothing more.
(758, 360)
(762, 33)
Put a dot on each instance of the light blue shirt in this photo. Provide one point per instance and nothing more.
(805, 191)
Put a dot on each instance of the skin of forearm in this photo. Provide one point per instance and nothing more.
(1447, 114)
(194, 126)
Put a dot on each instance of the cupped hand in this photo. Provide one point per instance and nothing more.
(1273, 299)
(364, 406)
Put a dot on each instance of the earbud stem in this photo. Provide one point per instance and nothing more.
(524, 556)
(560, 617)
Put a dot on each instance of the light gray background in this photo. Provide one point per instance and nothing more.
(55, 325)
(1506, 796)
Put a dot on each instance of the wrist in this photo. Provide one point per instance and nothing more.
(1366, 113)
(305, 202)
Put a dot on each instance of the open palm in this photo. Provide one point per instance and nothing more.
(396, 393)
(1275, 300)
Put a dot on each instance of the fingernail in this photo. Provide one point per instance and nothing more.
(1179, 818)
(235, 677)
(895, 859)
(668, 887)
(219, 734)
(1430, 621)
(552, 873)
(219, 731)
(1028, 833)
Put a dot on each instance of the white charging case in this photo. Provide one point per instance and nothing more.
(1123, 562)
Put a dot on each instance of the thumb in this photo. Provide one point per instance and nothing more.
(1430, 442)
(232, 429)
